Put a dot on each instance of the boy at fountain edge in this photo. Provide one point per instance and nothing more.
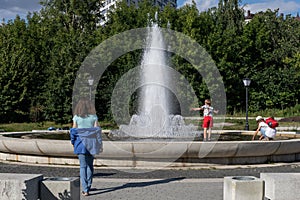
(207, 124)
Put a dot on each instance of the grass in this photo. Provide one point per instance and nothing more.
(237, 124)
(11, 127)
(17, 127)
(287, 112)
(240, 125)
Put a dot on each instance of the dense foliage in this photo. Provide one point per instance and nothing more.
(40, 55)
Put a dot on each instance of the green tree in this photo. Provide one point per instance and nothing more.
(271, 41)
(21, 76)
(78, 15)
(226, 48)
(69, 30)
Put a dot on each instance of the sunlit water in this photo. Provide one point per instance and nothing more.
(154, 119)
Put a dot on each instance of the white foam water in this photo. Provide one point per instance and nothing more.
(154, 119)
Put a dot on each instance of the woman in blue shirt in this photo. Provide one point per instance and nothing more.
(86, 139)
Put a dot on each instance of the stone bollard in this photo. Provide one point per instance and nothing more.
(243, 188)
(60, 188)
(281, 186)
(20, 186)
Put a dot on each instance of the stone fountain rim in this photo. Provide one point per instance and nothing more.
(133, 153)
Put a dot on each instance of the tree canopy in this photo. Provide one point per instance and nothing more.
(40, 55)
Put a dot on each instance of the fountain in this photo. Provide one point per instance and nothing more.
(154, 119)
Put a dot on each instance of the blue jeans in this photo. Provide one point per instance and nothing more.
(86, 171)
(263, 131)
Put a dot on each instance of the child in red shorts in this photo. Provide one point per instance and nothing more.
(208, 111)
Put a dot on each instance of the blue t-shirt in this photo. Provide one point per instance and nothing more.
(85, 122)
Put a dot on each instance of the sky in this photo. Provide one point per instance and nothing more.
(285, 6)
(10, 8)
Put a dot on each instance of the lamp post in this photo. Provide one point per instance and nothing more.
(91, 82)
(246, 82)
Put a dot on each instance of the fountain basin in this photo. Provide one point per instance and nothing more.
(153, 153)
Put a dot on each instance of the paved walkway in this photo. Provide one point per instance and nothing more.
(137, 184)
(157, 189)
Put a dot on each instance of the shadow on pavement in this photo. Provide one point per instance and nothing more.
(103, 174)
(135, 185)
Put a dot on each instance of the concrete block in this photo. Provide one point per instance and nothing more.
(60, 188)
(243, 188)
(281, 186)
(297, 157)
(20, 186)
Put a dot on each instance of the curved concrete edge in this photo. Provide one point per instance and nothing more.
(159, 149)
(135, 164)
(139, 153)
(36, 159)
(291, 146)
(36, 147)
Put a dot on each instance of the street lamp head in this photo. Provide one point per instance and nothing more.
(246, 82)
(91, 81)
